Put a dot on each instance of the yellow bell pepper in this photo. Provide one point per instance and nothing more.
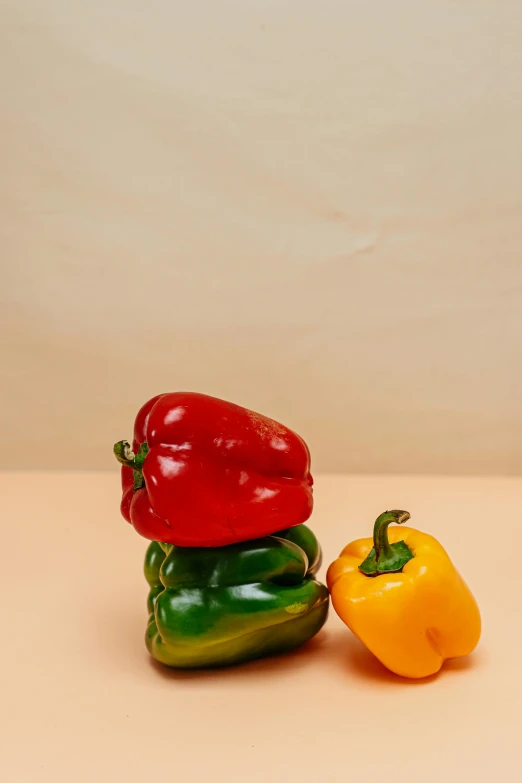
(402, 597)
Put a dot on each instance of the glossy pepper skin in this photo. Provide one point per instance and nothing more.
(414, 616)
(217, 607)
(203, 472)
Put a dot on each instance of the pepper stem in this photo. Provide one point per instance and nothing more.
(386, 558)
(124, 454)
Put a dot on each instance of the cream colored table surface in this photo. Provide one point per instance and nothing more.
(82, 701)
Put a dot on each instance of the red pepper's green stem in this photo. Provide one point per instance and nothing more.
(385, 557)
(125, 455)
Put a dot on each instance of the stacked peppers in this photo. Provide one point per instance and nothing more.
(222, 493)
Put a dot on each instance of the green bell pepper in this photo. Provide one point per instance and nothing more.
(226, 605)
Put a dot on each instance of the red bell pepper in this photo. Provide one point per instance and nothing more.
(205, 472)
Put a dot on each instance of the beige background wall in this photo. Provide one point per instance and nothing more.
(311, 208)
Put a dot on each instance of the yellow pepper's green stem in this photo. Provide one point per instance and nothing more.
(385, 557)
(383, 550)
